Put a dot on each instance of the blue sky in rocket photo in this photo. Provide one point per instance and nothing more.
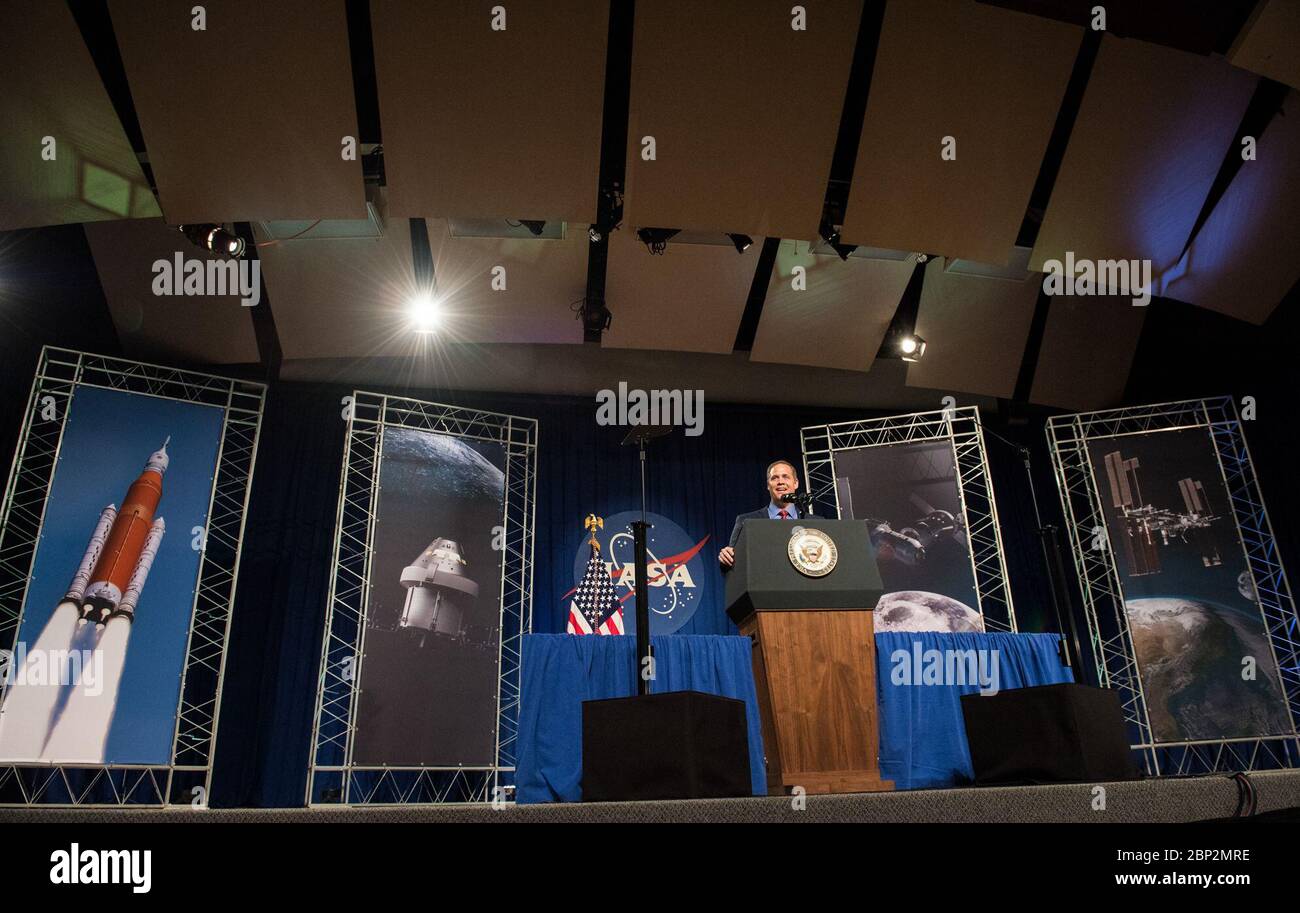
(108, 437)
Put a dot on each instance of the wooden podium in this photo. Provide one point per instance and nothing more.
(814, 655)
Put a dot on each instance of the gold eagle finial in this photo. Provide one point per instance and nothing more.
(594, 523)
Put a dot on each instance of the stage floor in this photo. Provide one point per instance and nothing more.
(1165, 800)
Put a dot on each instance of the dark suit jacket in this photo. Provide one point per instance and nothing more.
(760, 514)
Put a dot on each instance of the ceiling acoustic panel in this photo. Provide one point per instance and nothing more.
(1152, 132)
(975, 329)
(202, 329)
(245, 118)
(832, 313)
(1269, 44)
(743, 110)
(63, 155)
(491, 122)
(347, 298)
(976, 83)
(1246, 257)
(689, 299)
(1087, 352)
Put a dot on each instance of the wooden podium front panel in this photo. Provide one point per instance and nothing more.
(815, 674)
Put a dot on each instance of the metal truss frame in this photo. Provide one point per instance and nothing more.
(1103, 598)
(187, 779)
(333, 778)
(961, 428)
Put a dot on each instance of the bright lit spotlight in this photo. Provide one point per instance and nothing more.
(425, 313)
(214, 238)
(911, 347)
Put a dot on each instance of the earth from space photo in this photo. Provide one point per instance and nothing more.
(1190, 654)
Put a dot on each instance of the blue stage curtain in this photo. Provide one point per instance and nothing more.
(560, 671)
(273, 659)
(922, 734)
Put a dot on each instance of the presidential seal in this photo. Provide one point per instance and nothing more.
(812, 552)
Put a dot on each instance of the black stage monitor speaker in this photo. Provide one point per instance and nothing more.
(1047, 734)
(676, 745)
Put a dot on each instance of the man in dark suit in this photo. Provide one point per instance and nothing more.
(781, 480)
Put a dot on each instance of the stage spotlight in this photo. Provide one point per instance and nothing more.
(831, 235)
(425, 313)
(215, 239)
(596, 318)
(656, 239)
(910, 347)
(742, 242)
(533, 226)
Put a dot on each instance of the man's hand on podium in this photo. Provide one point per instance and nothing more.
(727, 557)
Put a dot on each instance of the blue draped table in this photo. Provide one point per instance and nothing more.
(922, 736)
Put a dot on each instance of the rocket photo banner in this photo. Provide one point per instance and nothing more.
(136, 478)
(1189, 612)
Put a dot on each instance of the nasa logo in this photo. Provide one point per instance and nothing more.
(674, 565)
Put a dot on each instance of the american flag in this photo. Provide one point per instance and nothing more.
(595, 608)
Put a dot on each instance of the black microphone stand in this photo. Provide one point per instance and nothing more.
(639, 435)
(804, 502)
(1049, 536)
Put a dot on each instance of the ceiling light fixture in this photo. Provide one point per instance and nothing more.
(214, 238)
(742, 242)
(656, 239)
(831, 235)
(425, 312)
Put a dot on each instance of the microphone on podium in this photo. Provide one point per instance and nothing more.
(801, 499)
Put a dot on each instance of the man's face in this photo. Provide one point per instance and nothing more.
(781, 480)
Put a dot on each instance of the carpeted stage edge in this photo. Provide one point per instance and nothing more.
(1164, 800)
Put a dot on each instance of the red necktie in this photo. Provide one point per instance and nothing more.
(784, 515)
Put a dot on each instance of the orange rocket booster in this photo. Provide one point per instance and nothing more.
(132, 542)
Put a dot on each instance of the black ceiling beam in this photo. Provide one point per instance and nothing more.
(421, 255)
(269, 352)
(1196, 26)
(1066, 116)
(843, 160)
(365, 86)
(757, 295)
(96, 27)
(613, 150)
(1029, 359)
(854, 111)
